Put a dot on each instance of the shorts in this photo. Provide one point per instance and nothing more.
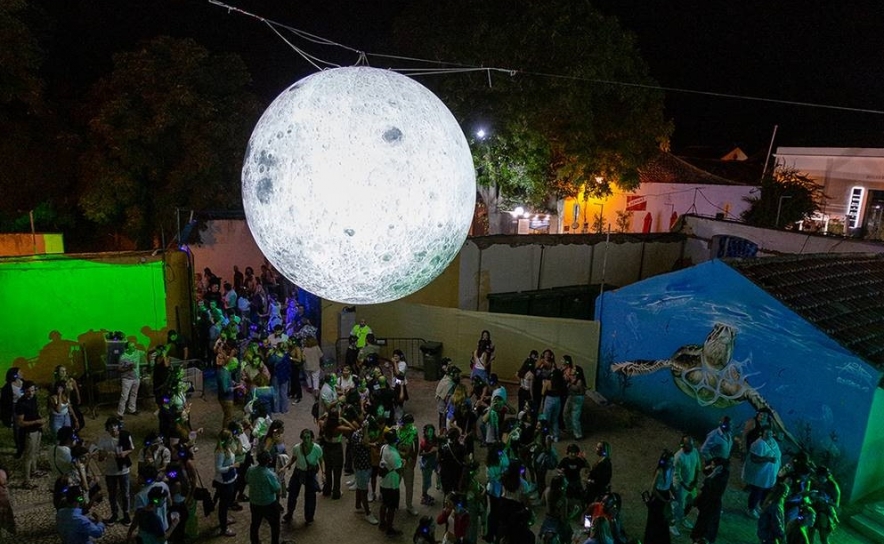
(362, 478)
(390, 498)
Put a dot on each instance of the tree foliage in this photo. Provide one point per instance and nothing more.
(20, 55)
(787, 193)
(553, 123)
(167, 128)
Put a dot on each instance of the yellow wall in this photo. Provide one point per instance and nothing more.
(24, 244)
(514, 335)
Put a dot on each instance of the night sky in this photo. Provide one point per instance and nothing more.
(818, 52)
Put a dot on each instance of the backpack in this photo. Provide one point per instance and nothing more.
(544, 460)
(382, 468)
(7, 408)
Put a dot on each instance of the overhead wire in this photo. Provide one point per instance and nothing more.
(363, 59)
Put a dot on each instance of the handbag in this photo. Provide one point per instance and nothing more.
(203, 495)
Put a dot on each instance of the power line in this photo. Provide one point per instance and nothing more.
(455, 67)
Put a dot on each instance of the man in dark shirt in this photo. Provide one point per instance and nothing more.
(31, 424)
(177, 346)
(571, 466)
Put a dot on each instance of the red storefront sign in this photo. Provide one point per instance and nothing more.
(636, 203)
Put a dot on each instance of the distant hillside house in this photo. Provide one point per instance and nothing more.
(852, 178)
(711, 185)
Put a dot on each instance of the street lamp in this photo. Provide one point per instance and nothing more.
(779, 208)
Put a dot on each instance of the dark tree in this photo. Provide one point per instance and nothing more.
(557, 122)
(786, 196)
(167, 128)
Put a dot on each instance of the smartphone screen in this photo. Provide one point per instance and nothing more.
(587, 521)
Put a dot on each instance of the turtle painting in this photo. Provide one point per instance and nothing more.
(708, 374)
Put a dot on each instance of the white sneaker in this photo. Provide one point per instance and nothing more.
(674, 530)
(351, 486)
(412, 510)
(370, 496)
(371, 519)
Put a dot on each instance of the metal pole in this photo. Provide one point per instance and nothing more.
(540, 268)
(33, 232)
(769, 150)
(779, 208)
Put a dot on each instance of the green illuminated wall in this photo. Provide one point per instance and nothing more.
(52, 305)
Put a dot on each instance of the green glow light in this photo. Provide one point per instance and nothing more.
(52, 303)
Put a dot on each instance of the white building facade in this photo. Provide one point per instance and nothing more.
(851, 178)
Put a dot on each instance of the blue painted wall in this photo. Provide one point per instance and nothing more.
(822, 392)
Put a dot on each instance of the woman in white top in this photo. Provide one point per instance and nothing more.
(60, 412)
(345, 382)
(225, 477)
(760, 469)
(308, 461)
(312, 364)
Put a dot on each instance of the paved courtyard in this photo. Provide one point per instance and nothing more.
(636, 442)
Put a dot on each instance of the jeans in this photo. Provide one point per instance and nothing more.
(226, 496)
(428, 467)
(128, 395)
(573, 410)
(307, 479)
(756, 496)
(118, 487)
(282, 395)
(270, 512)
(334, 465)
(682, 497)
(552, 409)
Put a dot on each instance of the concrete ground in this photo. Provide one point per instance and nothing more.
(636, 443)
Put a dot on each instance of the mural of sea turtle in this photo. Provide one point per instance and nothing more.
(708, 374)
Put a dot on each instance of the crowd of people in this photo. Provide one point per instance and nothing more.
(490, 460)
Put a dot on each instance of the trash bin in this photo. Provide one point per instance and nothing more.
(432, 355)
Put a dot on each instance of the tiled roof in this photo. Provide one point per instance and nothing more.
(667, 168)
(841, 294)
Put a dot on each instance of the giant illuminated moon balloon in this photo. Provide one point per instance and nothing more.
(358, 185)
